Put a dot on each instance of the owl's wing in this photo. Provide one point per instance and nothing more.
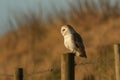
(79, 44)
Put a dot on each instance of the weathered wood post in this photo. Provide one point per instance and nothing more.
(117, 60)
(67, 67)
(19, 74)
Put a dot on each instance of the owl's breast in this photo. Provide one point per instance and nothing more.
(69, 43)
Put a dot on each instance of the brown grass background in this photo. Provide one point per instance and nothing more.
(37, 45)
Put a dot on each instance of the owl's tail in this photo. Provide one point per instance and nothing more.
(83, 54)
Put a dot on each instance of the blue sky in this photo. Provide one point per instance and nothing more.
(8, 7)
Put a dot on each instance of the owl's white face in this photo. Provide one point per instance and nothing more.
(66, 29)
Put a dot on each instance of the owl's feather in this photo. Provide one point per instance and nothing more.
(79, 44)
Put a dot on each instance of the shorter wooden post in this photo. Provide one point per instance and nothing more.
(67, 67)
(19, 74)
(117, 60)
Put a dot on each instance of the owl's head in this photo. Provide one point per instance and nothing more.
(67, 29)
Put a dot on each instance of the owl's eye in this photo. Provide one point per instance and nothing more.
(63, 30)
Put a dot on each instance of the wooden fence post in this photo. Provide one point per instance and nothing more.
(67, 67)
(117, 60)
(19, 74)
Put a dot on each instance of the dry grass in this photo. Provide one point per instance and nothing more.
(37, 45)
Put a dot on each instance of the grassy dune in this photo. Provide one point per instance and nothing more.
(37, 45)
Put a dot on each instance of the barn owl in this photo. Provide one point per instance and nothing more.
(73, 41)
